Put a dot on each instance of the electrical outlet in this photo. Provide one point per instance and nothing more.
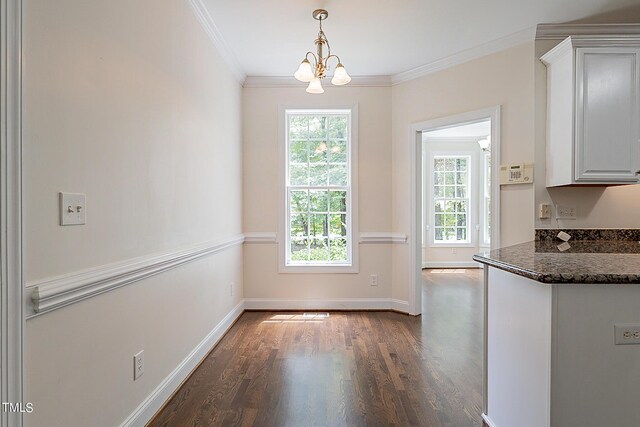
(545, 211)
(138, 365)
(627, 333)
(374, 280)
(566, 212)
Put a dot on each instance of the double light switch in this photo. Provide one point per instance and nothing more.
(73, 209)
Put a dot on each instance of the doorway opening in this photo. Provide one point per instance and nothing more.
(456, 189)
(455, 193)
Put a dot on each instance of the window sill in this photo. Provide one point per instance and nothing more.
(319, 269)
(452, 245)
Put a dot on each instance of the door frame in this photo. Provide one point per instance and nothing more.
(415, 207)
(11, 231)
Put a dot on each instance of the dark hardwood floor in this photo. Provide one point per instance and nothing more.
(351, 369)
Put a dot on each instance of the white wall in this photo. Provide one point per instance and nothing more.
(129, 103)
(504, 78)
(597, 207)
(261, 192)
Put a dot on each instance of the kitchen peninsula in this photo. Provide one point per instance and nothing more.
(556, 352)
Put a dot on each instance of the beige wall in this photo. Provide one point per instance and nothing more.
(597, 207)
(129, 103)
(504, 78)
(261, 107)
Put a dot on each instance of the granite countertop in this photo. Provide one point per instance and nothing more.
(581, 261)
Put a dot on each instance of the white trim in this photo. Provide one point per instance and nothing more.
(382, 237)
(326, 304)
(573, 42)
(473, 171)
(415, 199)
(152, 404)
(209, 26)
(283, 211)
(53, 293)
(261, 237)
(286, 82)
(476, 52)
(488, 420)
(367, 237)
(562, 31)
(11, 226)
(451, 264)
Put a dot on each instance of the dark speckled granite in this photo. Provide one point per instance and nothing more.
(590, 234)
(609, 261)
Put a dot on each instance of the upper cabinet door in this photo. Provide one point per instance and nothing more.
(607, 120)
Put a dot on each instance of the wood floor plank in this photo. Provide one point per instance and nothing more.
(350, 369)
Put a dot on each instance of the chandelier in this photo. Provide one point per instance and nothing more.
(313, 75)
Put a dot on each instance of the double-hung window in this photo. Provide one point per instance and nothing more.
(451, 199)
(319, 230)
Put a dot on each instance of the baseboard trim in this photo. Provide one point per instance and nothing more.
(167, 388)
(450, 264)
(327, 304)
(488, 420)
(57, 292)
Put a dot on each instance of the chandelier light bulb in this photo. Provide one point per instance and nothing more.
(304, 73)
(315, 86)
(340, 76)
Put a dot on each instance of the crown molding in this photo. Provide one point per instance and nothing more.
(285, 81)
(479, 51)
(562, 31)
(210, 27)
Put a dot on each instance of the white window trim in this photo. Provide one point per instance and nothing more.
(484, 242)
(283, 238)
(472, 218)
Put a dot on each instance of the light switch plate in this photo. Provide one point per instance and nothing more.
(73, 209)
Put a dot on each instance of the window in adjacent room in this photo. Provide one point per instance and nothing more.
(318, 189)
(451, 199)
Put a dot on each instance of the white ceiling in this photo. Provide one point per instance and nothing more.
(376, 37)
(480, 130)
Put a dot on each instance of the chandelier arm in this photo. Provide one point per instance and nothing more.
(315, 58)
(326, 60)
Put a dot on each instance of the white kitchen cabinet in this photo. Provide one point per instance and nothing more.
(593, 111)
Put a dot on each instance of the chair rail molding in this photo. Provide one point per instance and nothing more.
(382, 237)
(53, 293)
(261, 237)
(365, 237)
(11, 277)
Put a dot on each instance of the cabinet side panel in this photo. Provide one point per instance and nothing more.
(595, 382)
(560, 121)
(518, 350)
